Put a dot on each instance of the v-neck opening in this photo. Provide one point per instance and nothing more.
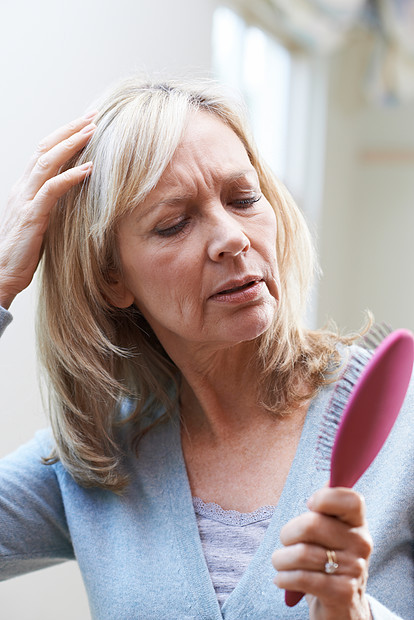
(284, 510)
(289, 505)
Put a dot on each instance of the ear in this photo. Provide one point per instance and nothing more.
(118, 295)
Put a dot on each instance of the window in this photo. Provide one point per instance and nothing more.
(244, 57)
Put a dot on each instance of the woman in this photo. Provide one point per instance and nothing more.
(186, 395)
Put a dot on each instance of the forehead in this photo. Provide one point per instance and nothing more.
(210, 147)
(210, 130)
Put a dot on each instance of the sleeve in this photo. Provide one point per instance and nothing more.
(5, 319)
(33, 528)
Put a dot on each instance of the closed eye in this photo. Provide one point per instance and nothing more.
(179, 227)
(170, 231)
(246, 202)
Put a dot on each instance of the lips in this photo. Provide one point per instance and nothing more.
(235, 286)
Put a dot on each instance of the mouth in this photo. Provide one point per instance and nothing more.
(241, 287)
(239, 290)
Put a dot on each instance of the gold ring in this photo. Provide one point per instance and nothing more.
(331, 565)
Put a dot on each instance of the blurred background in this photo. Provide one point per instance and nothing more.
(330, 90)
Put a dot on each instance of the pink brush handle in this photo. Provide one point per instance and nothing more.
(370, 414)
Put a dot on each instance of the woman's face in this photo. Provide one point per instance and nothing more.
(199, 255)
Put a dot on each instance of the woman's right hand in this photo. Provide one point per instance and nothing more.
(26, 216)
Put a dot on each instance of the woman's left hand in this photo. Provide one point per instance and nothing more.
(335, 522)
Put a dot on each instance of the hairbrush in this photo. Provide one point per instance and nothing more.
(360, 424)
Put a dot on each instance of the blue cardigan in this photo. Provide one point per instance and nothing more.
(140, 554)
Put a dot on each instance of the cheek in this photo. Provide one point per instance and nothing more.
(162, 282)
(269, 220)
(270, 254)
(268, 236)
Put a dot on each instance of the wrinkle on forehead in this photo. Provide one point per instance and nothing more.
(202, 164)
(226, 156)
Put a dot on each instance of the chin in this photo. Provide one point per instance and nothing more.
(252, 325)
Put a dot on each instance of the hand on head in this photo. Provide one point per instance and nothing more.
(31, 201)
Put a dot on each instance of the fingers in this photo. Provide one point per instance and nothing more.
(341, 591)
(63, 133)
(23, 229)
(345, 504)
(49, 163)
(308, 557)
(27, 213)
(56, 187)
(333, 531)
(328, 532)
(336, 520)
(301, 568)
(333, 515)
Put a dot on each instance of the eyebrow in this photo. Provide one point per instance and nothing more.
(173, 200)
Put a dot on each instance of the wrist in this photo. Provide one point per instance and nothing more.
(6, 294)
(5, 300)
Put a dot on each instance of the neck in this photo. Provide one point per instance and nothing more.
(219, 394)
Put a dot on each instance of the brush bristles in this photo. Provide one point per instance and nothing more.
(337, 404)
(326, 438)
(375, 335)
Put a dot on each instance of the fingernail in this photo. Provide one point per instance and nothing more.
(309, 503)
(87, 166)
(89, 128)
(90, 114)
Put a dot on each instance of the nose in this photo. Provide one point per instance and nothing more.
(226, 238)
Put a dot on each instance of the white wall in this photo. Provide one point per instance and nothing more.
(56, 57)
(367, 226)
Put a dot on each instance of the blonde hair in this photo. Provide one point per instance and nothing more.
(96, 355)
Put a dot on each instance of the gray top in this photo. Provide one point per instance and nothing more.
(229, 539)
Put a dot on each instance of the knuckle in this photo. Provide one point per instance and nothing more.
(297, 529)
(305, 529)
(358, 502)
(72, 126)
(310, 522)
(302, 552)
(284, 534)
(41, 148)
(66, 176)
(350, 589)
(48, 188)
(43, 162)
(366, 545)
(278, 560)
(69, 143)
(360, 568)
